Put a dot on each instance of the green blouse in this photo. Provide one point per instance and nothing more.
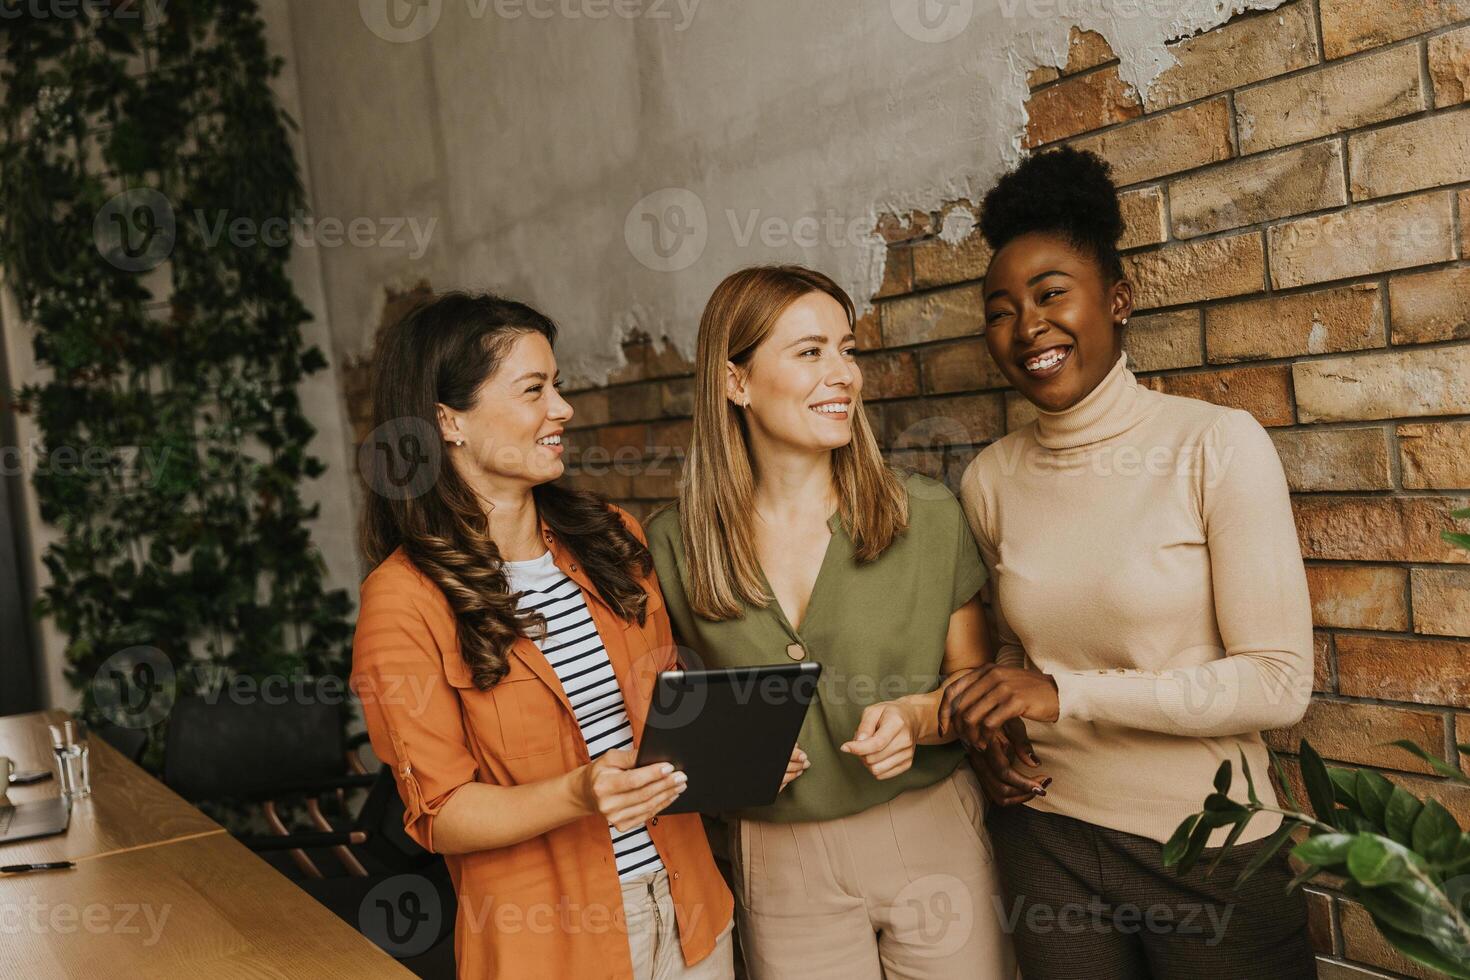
(878, 630)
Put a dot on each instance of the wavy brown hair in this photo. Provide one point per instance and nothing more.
(442, 352)
(717, 498)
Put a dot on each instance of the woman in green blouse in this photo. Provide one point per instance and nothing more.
(792, 539)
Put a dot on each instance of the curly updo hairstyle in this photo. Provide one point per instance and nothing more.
(441, 353)
(1063, 192)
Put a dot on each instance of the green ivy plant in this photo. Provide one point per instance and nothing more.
(173, 444)
(1405, 859)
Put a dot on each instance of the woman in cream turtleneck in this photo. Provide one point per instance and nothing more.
(1152, 612)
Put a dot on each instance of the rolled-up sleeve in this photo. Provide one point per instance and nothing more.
(412, 713)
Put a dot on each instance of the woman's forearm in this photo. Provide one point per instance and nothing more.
(481, 817)
(924, 710)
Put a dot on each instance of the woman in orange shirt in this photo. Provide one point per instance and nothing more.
(505, 655)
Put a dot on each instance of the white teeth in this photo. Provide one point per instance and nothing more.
(549, 441)
(830, 409)
(1041, 362)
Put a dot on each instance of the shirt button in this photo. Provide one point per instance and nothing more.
(796, 651)
(574, 566)
(654, 822)
(676, 876)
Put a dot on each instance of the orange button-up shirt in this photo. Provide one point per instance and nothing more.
(550, 906)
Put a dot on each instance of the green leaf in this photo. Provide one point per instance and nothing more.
(1398, 819)
(1373, 794)
(1250, 783)
(1177, 843)
(1229, 842)
(1345, 785)
(1268, 850)
(1222, 777)
(1324, 850)
(1462, 514)
(1436, 763)
(1457, 539)
(1423, 951)
(1435, 834)
(1198, 838)
(1373, 860)
(1319, 784)
(1286, 789)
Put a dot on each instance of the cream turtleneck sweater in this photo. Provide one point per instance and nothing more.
(1144, 554)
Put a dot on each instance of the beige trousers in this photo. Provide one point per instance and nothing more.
(653, 935)
(903, 890)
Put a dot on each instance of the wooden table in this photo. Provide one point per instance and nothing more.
(160, 890)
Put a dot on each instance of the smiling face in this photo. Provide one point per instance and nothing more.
(512, 433)
(802, 381)
(1052, 320)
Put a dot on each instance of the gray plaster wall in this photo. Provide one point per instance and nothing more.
(609, 161)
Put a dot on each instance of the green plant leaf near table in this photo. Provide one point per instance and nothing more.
(1406, 860)
(173, 447)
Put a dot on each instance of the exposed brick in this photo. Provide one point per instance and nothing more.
(1262, 391)
(1335, 459)
(962, 366)
(1331, 99)
(1259, 188)
(1194, 271)
(889, 374)
(1463, 199)
(1377, 528)
(1404, 669)
(1163, 341)
(1441, 598)
(1322, 662)
(663, 360)
(676, 397)
(656, 482)
(938, 263)
(635, 403)
(667, 437)
(902, 228)
(1363, 597)
(1391, 384)
(898, 272)
(1449, 67)
(1319, 920)
(1019, 411)
(1243, 51)
(599, 478)
(1430, 306)
(1350, 732)
(1362, 241)
(928, 462)
(1165, 144)
(589, 408)
(1079, 105)
(1455, 799)
(1085, 49)
(933, 422)
(868, 330)
(1434, 455)
(1143, 217)
(1427, 152)
(621, 438)
(1363, 942)
(1322, 322)
(1462, 737)
(957, 312)
(1355, 25)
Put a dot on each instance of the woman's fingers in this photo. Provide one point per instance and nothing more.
(626, 819)
(1015, 730)
(614, 802)
(997, 762)
(894, 765)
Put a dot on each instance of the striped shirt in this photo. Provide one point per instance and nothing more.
(575, 652)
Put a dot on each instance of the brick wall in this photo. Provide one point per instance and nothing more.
(1297, 192)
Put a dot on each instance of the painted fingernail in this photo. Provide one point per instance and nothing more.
(1046, 782)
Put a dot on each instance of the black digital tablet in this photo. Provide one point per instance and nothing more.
(731, 731)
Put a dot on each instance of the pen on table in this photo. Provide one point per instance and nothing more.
(11, 869)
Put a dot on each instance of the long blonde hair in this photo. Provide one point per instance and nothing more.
(716, 499)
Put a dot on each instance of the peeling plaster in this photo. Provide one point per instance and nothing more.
(751, 132)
